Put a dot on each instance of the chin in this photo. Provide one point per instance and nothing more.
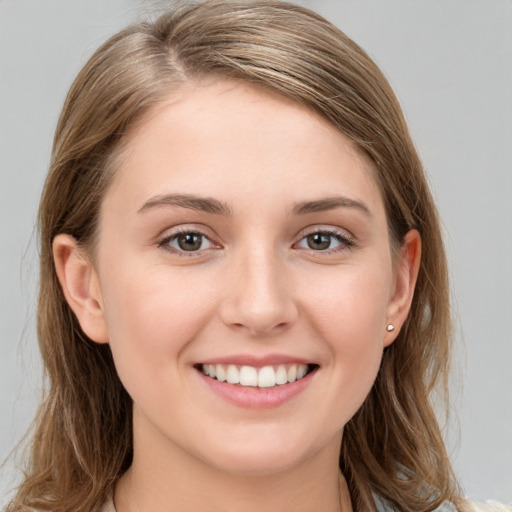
(262, 452)
(259, 464)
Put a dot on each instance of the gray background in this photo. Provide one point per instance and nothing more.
(450, 62)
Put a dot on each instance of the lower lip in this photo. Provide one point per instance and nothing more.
(254, 397)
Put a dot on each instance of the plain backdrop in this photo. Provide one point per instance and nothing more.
(450, 62)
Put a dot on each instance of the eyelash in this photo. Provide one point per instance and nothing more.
(345, 241)
(165, 242)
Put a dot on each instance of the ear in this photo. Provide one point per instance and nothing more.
(407, 269)
(80, 285)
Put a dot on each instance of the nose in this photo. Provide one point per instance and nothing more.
(259, 295)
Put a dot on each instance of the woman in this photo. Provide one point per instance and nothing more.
(244, 299)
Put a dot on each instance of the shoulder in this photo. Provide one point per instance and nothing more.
(108, 506)
(489, 506)
(468, 506)
(383, 506)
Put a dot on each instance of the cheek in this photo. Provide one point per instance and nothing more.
(351, 303)
(152, 316)
(350, 313)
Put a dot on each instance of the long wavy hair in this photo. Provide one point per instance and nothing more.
(82, 440)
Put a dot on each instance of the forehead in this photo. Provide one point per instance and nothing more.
(229, 139)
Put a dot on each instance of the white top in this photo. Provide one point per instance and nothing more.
(490, 506)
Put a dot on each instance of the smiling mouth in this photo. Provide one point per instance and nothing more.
(251, 376)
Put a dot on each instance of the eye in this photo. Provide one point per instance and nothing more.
(187, 241)
(325, 241)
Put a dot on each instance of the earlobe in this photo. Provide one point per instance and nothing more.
(404, 285)
(80, 285)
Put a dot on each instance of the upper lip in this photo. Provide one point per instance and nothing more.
(256, 361)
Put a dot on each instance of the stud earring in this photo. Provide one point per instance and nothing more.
(390, 327)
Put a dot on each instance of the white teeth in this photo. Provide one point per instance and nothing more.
(301, 371)
(248, 376)
(281, 375)
(265, 377)
(220, 373)
(232, 374)
(292, 373)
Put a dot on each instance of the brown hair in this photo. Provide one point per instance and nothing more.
(82, 443)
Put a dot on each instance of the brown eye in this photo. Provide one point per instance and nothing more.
(189, 241)
(319, 241)
(325, 241)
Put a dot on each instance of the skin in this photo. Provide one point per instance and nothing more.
(255, 287)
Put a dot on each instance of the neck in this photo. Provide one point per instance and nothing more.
(170, 479)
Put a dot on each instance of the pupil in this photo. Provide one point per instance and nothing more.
(319, 241)
(189, 241)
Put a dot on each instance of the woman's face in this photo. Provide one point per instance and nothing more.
(244, 238)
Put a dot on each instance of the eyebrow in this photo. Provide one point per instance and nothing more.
(210, 205)
(192, 202)
(329, 203)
